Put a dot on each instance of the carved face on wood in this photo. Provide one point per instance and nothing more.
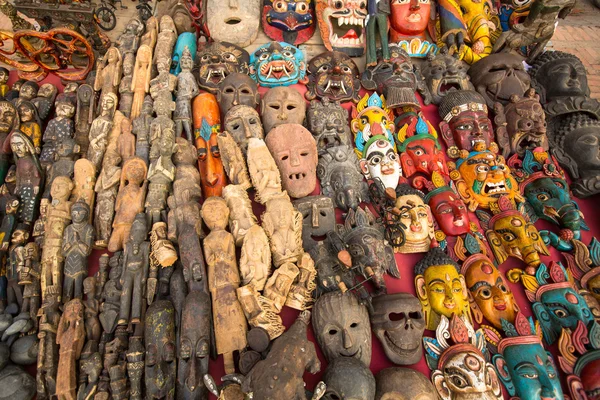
(416, 218)
(381, 162)
(342, 328)
(282, 105)
(234, 21)
(217, 60)
(277, 64)
(161, 350)
(291, 21)
(327, 122)
(243, 123)
(399, 322)
(444, 72)
(333, 75)
(9, 118)
(295, 153)
(318, 219)
(348, 379)
(410, 17)
(237, 89)
(449, 211)
(525, 123)
(342, 25)
(340, 177)
(558, 74)
(465, 120)
(393, 78)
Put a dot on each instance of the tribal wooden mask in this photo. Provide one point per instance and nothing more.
(381, 162)
(237, 21)
(370, 118)
(327, 121)
(449, 211)
(278, 64)
(342, 25)
(217, 60)
(333, 75)
(557, 74)
(282, 105)
(444, 73)
(237, 89)
(414, 218)
(291, 21)
(161, 349)
(318, 219)
(348, 379)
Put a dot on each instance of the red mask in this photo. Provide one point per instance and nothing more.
(423, 155)
(410, 17)
(449, 211)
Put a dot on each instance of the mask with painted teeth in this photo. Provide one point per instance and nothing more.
(291, 21)
(333, 75)
(216, 60)
(277, 64)
(341, 23)
(398, 322)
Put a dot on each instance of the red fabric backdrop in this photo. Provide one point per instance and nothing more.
(405, 264)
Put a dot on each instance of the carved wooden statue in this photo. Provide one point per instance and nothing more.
(125, 91)
(283, 225)
(260, 311)
(187, 89)
(76, 248)
(93, 329)
(106, 188)
(126, 141)
(130, 201)
(233, 160)
(84, 115)
(223, 278)
(47, 362)
(161, 347)
(100, 129)
(108, 73)
(29, 277)
(70, 337)
(241, 216)
(279, 284)
(29, 177)
(300, 296)
(85, 182)
(111, 296)
(64, 164)
(263, 171)
(164, 83)
(59, 128)
(141, 129)
(140, 83)
(255, 262)
(160, 175)
(135, 366)
(161, 125)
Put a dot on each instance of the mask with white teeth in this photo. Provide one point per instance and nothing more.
(277, 64)
(291, 21)
(295, 153)
(342, 25)
(444, 73)
(333, 75)
(216, 60)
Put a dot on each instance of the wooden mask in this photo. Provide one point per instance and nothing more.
(291, 21)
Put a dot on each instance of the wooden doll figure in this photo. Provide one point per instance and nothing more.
(187, 89)
(9, 221)
(30, 177)
(223, 280)
(108, 73)
(47, 361)
(93, 329)
(106, 188)
(125, 92)
(70, 337)
(140, 83)
(126, 141)
(160, 175)
(77, 246)
(130, 201)
(84, 115)
(135, 272)
(29, 277)
(100, 129)
(30, 124)
(58, 128)
(85, 182)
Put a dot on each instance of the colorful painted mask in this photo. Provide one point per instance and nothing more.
(403, 384)
(546, 191)
(521, 124)
(339, 174)
(397, 79)
(558, 305)
(370, 118)
(509, 233)
(457, 358)
(364, 239)
(525, 368)
(161, 350)
(465, 120)
(235, 90)
(409, 19)
(499, 76)
(381, 162)
(318, 219)
(441, 288)
(444, 73)
(277, 64)
(483, 177)
(295, 153)
(342, 25)
(236, 21)
(449, 211)
(489, 293)
(419, 148)
(282, 105)
(556, 74)
(291, 21)
(587, 369)
(243, 123)
(398, 322)
(341, 325)
(333, 75)
(327, 121)
(206, 127)
(415, 219)
(348, 379)
(216, 60)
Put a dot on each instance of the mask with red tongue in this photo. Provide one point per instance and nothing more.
(342, 25)
(291, 21)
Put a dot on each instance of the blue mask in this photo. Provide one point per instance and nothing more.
(277, 64)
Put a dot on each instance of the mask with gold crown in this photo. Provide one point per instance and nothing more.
(371, 117)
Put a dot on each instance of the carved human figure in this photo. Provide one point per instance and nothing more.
(241, 216)
(255, 261)
(106, 188)
(109, 72)
(166, 39)
(45, 99)
(161, 351)
(128, 41)
(141, 129)
(129, 201)
(162, 124)
(111, 296)
(59, 128)
(93, 329)
(160, 177)
(265, 176)
(140, 82)
(27, 92)
(223, 278)
(126, 141)
(9, 120)
(70, 336)
(30, 124)
(261, 312)
(48, 356)
(165, 82)
(283, 225)
(84, 116)
(29, 277)
(187, 89)
(64, 165)
(100, 129)
(76, 248)
(279, 284)
(233, 160)
(30, 177)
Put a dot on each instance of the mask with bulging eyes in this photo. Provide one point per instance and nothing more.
(327, 122)
(160, 350)
(215, 61)
(333, 75)
(242, 123)
(282, 105)
(278, 64)
(348, 379)
(318, 219)
(398, 322)
(291, 21)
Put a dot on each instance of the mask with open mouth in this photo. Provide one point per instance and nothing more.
(327, 121)
(398, 322)
(521, 124)
(277, 64)
(291, 21)
(342, 25)
(498, 76)
(237, 21)
(318, 219)
(295, 153)
(413, 217)
(483, 177)
(341, 325)
(216, 60)
(444, 73)
(371, 117)
(333, 75)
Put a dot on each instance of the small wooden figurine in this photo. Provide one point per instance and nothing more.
(125, 90)
(70, 337)
(187, 89)
(161, 351)
(263, 171)
(260, 311)
(140, 82)
(283, 225)
(160, 177)
(141, 129)
(30, 177)
(241, 216)
(233, 160)
(108, 73)
(47, 363)
(30, 124)
(100, 129)
(279, 284)
(126, 141)
(29, 277)
(255, 262)
(76, 248)
(64, 164)
(85, 182)
(84, 115)
(106, 188)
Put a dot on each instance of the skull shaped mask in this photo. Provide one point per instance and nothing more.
(398, 322)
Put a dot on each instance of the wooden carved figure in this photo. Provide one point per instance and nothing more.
(166, 39)
(84, 115)
(47, 362)
(161, 364)
(58, 128)
(255, 262)
(241, 216)
(160, 176)
(9, 121)
(135, 366)
(15, 262)
(129, 40)
(140, 83)
(161, 125)
(29, 277)
(164, 83)
(283, 225)
(44, 100)
(129, 202)
(106, 188)
(125, 91)
(223, 278)
(111, 296)
(85, 183)
(93, 329)
(135, 272)
(30, 177)
(108, 73)
(300, 296)
(31, 124)
(149, 38)
(279, 284)
(9, 221)
(141, 129)
(265, 176)
(70, 337)
(260, 311)
(187, 89)
(76, 248)
(100, 129)
(233, 160)
(126, 141)
(59, 216)
(64, 164)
